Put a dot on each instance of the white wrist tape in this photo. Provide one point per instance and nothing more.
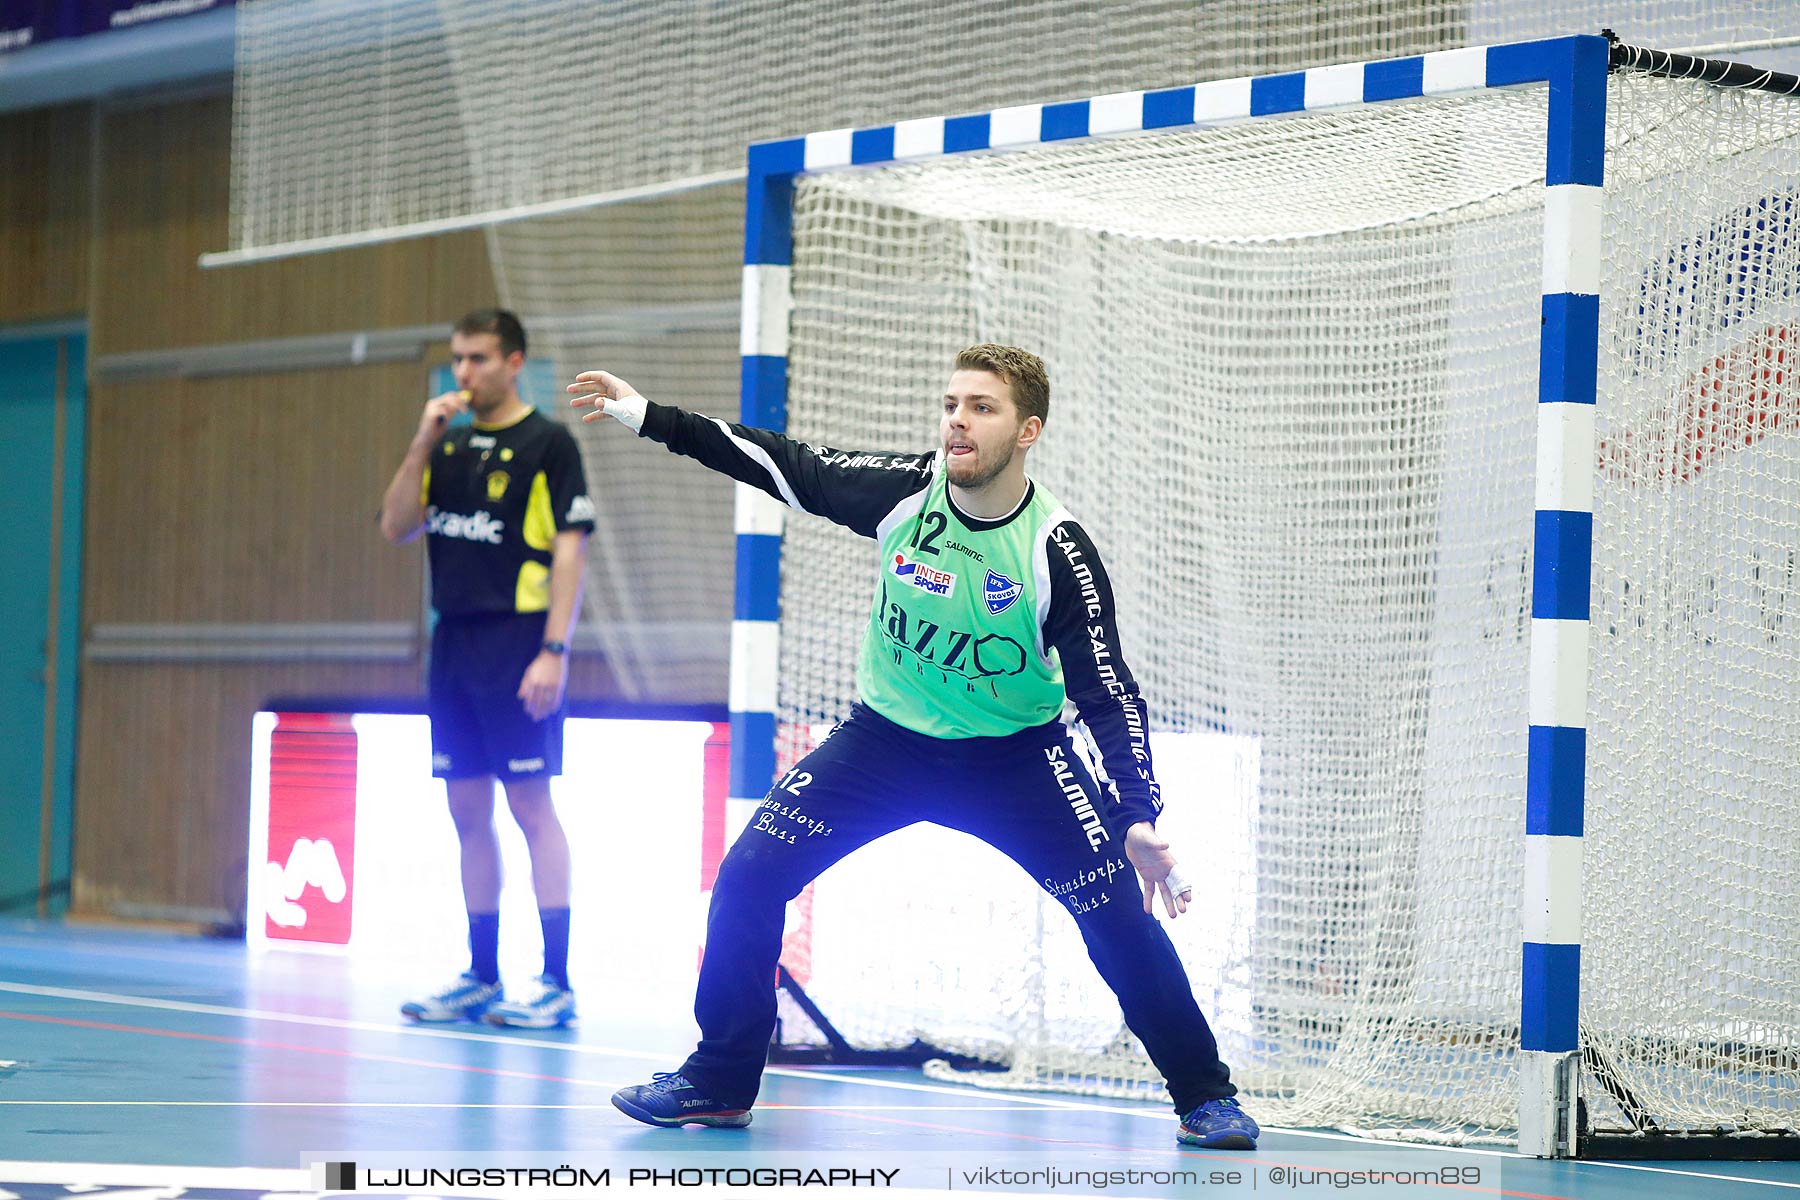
(628, 411)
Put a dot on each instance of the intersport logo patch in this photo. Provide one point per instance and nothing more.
(926, 579)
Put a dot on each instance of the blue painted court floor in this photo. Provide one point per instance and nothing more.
(142, 1065)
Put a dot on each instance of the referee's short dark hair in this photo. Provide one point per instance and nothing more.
(499, 322)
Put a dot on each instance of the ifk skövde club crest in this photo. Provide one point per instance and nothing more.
(1000, 592)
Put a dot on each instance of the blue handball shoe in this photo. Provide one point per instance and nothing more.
(465, 999)
(552, 1006)
(1219, 1125)
(671, 1101)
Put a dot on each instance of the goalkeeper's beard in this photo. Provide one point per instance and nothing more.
(985, 475)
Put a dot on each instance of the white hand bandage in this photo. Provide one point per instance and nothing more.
(1177, 885)
(628, 411)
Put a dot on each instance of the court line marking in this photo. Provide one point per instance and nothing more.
(500, 1039)
(265, 1179)
(469, 1104)
(207, 954)
(277, 1104)
(1159, 1113)
(862, 1114)
(329, 1051)
(1625, 1166)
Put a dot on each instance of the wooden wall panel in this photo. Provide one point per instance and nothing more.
(250, 498)
(165, 182)
(45, 206)
(161, 818)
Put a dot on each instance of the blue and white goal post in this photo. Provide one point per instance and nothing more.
(1540, 1045)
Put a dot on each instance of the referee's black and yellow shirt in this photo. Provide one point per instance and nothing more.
(495, 498)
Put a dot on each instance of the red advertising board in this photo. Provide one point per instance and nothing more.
(311, 854)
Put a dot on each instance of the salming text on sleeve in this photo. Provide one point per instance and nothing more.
(1082, 624)
(855, 489)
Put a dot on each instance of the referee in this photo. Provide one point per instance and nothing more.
(504, 505)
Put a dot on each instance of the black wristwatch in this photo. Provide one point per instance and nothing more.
(556, 647)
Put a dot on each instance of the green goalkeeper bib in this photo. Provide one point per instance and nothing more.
(954, 646)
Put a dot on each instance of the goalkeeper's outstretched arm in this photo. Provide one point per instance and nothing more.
(855, 489)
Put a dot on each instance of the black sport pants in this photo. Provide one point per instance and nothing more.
(1025, 794)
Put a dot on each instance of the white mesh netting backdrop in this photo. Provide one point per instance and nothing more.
(649, 291)
(1293, 376)
(358, 119)
(352, 116)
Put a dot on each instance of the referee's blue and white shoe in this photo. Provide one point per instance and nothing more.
(552, 1006)
(671, 1101)
(1219, 1125)
(464, 1000)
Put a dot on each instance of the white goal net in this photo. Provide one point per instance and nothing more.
(363, 120)
(1293, 369)
(357, 117)
(648, 290)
